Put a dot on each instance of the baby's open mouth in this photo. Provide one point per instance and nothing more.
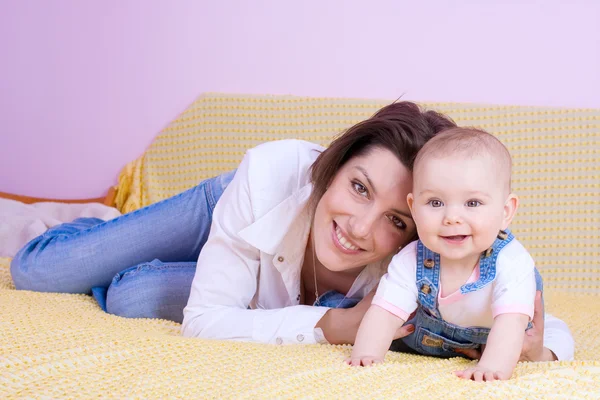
(455, 238)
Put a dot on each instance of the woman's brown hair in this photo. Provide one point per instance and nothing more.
(402, 128)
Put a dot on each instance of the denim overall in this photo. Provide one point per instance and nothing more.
(433, 336)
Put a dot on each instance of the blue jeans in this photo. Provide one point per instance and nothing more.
(118, 260)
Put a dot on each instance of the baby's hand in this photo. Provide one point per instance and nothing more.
(479, 373)
(364, 361)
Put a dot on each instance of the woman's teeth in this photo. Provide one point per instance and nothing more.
(343, 240)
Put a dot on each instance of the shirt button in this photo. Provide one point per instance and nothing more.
(300, 337)
(298, 298)
(279, 340)
(280, 259)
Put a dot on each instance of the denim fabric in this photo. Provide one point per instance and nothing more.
(114, 259)
(151, 290)
(410, 345)
(430, 277)
(335, 299)
(434, 336)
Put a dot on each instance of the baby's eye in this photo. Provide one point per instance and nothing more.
(473, 203)
(360, 189)
(435, 203)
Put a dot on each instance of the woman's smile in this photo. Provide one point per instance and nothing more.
(342, 242)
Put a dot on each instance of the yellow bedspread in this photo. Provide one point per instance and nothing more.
(63, 345)
(60, 345)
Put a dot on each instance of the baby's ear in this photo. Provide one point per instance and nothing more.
(410, 200)
(510, 208)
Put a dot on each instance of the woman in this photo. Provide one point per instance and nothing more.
(297, 226)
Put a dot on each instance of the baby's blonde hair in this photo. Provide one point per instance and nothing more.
(468, 141)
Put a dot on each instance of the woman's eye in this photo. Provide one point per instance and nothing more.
(435, 203)
(473, 203)
(397, 222)
(360, 189)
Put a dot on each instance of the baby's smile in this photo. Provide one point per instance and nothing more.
(455, 239)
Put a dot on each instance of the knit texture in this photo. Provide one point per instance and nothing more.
(64, 346)
(556, 172)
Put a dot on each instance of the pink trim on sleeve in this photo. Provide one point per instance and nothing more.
(386, 305)
(513, 309)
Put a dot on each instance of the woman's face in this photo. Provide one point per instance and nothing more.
(363, 216)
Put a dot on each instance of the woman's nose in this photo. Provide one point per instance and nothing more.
(361, 225)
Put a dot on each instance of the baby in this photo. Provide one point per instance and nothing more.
(474, 283)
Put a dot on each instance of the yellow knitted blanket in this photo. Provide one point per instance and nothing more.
(61, 345)
(64, 346)
(556, 171)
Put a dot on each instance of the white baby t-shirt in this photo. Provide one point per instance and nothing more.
(512, 290)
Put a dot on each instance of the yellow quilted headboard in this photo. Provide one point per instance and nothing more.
(555, 154)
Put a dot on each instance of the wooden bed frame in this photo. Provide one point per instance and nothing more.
(108, 200)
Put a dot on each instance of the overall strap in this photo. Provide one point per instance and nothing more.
(428, 278)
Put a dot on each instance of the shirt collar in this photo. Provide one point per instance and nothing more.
(269, 231)
(288, 225)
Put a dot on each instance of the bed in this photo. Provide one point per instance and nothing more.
(63, 346)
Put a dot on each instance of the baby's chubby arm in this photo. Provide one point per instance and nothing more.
(395, 299)
(502, 350)
(513, 298)
(375, 334)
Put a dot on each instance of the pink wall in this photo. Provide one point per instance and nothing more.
(86, 85)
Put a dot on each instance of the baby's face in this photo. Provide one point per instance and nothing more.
(459, 204)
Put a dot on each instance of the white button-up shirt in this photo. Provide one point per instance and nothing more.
(247, 282)
(255, 250)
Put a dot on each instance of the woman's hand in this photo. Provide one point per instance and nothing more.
(340, 325)
(533, 344)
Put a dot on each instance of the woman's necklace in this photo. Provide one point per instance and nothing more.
(317, 303)
(317, 300)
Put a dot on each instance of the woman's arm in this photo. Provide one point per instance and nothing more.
(226, 279)
(396, 288)
(340, 326)
(549, 339)
(557, 342)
